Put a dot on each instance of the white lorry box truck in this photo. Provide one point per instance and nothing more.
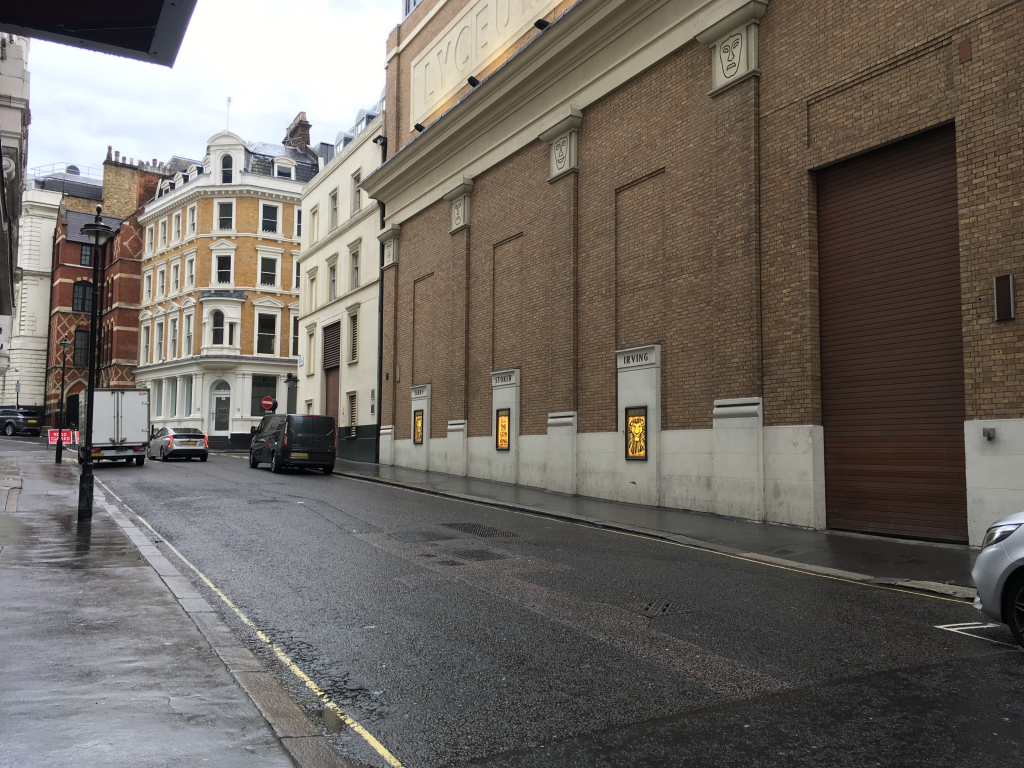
(120, 425)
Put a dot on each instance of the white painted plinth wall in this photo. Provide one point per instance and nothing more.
(995, 473)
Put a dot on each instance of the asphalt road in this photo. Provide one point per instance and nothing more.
(461, 634)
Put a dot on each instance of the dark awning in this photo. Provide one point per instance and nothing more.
(147, 30)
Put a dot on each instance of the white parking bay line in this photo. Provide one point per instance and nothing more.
(966, 628)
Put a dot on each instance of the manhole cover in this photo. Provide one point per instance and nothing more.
(479, 555)
(656, 607)
(483, 531)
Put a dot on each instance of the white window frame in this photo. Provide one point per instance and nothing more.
(163, 234)
(355, 192)
(147, 285)
(276, 314)
(281, 163)
(310, 349)
(335, 209)
(220, 167)
(158, 337)
(354, 266)
(215, 256)
(172, 338)
(297, 278)
(297, 223)
(174, 280)
(280, 218)
(147, 334)
(263, 252)
(151, 239)
(161, 282)
(216, 215)
(312, 300)
(176, 228)
(314, 224)
(188, 328)
(193, 221)
(332, 278)
(190, 270)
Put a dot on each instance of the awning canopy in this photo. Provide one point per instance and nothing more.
(147, 30)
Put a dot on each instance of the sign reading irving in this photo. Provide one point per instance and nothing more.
(503, 429)
(636, 434)
(417, 427)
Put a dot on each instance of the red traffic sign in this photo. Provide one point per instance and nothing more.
(268, 403)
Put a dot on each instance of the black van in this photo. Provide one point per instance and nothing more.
(295, 441)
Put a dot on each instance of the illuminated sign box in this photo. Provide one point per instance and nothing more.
(417, 427)
(636, 434)
(503, 427)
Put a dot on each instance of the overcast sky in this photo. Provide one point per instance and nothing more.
(275, 59)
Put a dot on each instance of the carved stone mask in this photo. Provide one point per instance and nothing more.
(730, 55)
(561, 152)
(458, 212)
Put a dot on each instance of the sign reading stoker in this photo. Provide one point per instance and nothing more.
(474, 39)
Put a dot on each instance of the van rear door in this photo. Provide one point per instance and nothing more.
(313, 435)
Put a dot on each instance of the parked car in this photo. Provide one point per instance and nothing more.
(999, 574)
(17, 422)
(295, 441)
(179, 443)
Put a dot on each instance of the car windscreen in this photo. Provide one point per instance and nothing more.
(312, 426)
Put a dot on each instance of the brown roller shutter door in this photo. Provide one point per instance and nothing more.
(332, 369)
(892, 370)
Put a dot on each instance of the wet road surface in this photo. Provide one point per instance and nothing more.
(463, 634)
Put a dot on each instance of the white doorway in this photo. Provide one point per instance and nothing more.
(221, 409)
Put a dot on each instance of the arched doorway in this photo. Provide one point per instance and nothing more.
(221, 409)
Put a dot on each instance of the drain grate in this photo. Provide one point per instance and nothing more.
(483, 531)
(479, 555)
(653, 608)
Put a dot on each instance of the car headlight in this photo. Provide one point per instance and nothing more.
(997, 533)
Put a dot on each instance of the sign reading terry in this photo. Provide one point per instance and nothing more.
(474, 39)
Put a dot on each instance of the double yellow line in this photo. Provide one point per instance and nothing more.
(367, 736)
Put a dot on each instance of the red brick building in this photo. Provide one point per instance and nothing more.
(751, 258)
(127, 185)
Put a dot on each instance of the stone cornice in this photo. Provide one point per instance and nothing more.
(157, 209)
(585, 54)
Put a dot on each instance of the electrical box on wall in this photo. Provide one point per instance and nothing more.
(1004, 299)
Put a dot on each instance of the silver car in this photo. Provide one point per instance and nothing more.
(999, 574)
(179, 443)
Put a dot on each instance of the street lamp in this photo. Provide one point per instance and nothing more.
(98, 234)
(63, 372)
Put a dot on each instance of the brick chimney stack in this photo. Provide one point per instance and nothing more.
(297, 135)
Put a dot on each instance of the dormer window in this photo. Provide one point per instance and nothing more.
(284, 168)
(226, 169)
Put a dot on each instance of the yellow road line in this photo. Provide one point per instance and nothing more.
(367, 736)
(648, 537)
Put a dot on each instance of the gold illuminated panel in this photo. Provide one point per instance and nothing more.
(504, 421)
(417, 427)
(636, 434)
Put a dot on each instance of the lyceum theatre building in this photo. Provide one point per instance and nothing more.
(750, 258)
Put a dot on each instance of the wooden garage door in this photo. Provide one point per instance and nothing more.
(892, 371)
(332, 369)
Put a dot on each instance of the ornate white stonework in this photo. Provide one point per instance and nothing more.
(733, 42)
(460, 200)
(562, 138)
(389, 237)
(471, 41)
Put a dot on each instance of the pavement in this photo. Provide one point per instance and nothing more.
(212, 613)
(111, 657)
(941, 568)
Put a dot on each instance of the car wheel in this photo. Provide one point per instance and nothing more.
(252, 460)
(9, 430)
(140, 460)
(328, 469)
(163, 455)
(204, 457)
(1013, 606)
(275, 465)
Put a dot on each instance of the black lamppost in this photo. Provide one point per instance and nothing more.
(98, 234)
(63, 369)
(290, 381)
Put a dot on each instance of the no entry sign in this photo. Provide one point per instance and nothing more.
(268, 403)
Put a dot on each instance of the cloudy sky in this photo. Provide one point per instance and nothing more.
(274, 58)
